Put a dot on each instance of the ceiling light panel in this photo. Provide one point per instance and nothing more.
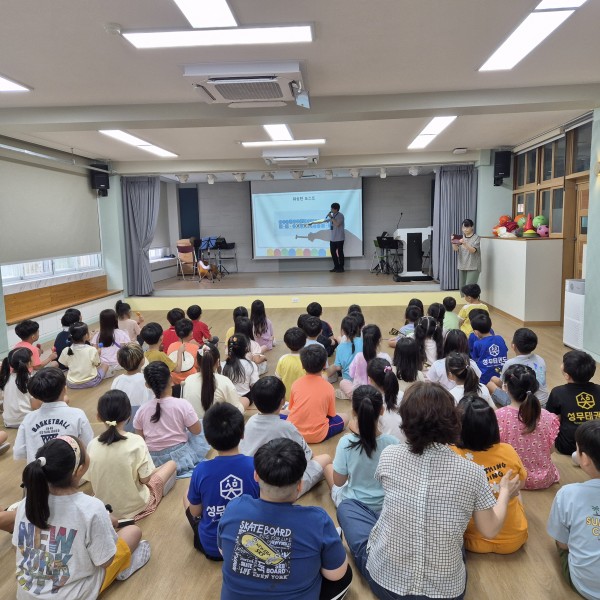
(279, 132)
(6, 85)
(437, 125)
(221, 37)
(203, 14)
(529, 34)
(559, 4)
(132, 140)
(421, 141)
(283, 144)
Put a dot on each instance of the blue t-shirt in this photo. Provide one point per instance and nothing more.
(360, 469)
(276, 550)
(472, 339)
(214, 483)
(490, 353)
(344, 356)
(574, 520)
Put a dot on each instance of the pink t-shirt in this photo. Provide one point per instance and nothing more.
(266, 338)
(35, 359)
(358, 368)
(534, 449)
(176, 415)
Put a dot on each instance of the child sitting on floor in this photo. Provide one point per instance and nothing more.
(326, 337)
(471, 292)
(407, 361)
(489, 351)
(29, 332)
(243, 325)
(130, 326)
(184, 330)
(411, 315)
(238, 311)
(121, 470)
(269, 399)
(450, 317)
(110, 338)
(263, 328)
(215, 482)
(429, 338)
(14, 377)
(348, 349)
(242, 372)
(72, 315)
(312, 400)
(152, 335)
(201, 330)
(170, 335)
(459, 371)
(289, 367)
(384, 380)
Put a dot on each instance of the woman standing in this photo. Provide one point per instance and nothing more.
(469, 255)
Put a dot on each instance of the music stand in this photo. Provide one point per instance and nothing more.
(389, 259)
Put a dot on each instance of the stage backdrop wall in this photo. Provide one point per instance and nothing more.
(225, 211)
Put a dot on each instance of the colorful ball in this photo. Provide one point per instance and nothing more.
(518, 232)
(543, 231)
(501, 231)
(521, 220)
(503, 220)
(540, 220)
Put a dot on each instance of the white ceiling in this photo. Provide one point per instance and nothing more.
(377, 71)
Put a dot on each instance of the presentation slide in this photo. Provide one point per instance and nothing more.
(282, 213)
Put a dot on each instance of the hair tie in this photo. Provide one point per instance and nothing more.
(74, 446)
(111, 423)
(387, 369)
(41, 460)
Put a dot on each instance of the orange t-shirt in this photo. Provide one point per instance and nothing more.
(312, 400)
(192, 349)
(35, 358)
(497, 461)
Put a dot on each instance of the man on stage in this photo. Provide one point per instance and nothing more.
(336, 244)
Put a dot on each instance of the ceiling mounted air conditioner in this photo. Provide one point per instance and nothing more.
(291, 157)
(251, 84)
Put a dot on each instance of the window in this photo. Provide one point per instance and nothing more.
(158, 253)
(40, 269)
(582, 148)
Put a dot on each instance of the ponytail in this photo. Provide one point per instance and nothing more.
(122, 309)
(55, 463)
(371, 335)
(522, 384)
(459, 365)
(351, 329)
(157, 377)
(428, 328)
(366, 404)
(77, 333)
(237, 347)
(208, 356)
(17, 359)
(113, 408)
(380, 372)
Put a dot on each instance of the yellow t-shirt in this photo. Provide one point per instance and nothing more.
(229, 333)
(158, 356)
(497, 461)
(463, 313)
(289, 369)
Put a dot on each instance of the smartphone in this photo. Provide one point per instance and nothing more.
(457, 238)
(125, 522)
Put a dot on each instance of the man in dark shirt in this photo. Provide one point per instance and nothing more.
(576, 402)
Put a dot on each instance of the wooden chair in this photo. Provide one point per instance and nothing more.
(186, 259)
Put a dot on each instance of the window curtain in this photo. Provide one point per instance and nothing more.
(455, 199)
(141, 203)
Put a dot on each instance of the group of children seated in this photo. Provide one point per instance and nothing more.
(175, 398)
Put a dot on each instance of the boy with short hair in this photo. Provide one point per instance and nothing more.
(271, 546)
(312, 400)
(489, 351)
(575, 402)
(312, 328)
(326, 337)
(450, 317)
(152, 334)
(268, 394)
(201, 329)
(215, 482)
(289, 366)
(170, 336)
(71, 316)
(54, 417)
(524, 343)
(573, 520)
(29, 332)
(471, 292)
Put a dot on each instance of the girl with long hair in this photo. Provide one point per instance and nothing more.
(383, 379)
(263, 328)
(109, 338)
(460, 371)
(241, 371)
(14, 377)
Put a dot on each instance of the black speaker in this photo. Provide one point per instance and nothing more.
(99, 180)
(502, 160)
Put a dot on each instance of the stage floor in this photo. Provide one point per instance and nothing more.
(311, 282)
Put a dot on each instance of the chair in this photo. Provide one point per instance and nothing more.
(222, 244)
(186, 259)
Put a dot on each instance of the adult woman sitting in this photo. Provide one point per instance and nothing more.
(413, 549)
(469, 255)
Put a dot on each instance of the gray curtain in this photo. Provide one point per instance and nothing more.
(141, 201)
(455, 199)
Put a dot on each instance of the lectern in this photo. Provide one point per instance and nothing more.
(412, 243)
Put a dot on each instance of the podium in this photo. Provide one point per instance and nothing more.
(412, 243)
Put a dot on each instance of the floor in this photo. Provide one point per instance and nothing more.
(177, 570)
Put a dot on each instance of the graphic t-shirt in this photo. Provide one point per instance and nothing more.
(276, 550)
(490, 353)
(63, 562)
(289, 369)
(496, 462)
(214, 484)
(575, 520)
(575, 403)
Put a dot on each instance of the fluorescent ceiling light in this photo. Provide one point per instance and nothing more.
(6, 85)
(283, 144)
(207, 13)
(221, 37)
(279, 133)
(437, 125)
(529, 34)
(558, 4)
(421, 141)
(132, 140)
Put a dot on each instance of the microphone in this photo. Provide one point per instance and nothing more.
(400, 219)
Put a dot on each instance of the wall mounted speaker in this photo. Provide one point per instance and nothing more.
(99, 180)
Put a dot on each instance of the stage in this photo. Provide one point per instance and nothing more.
(284, 289)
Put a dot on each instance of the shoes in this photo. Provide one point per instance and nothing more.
(340, 270)
(4, 448)
(334, 270)
(139, 558)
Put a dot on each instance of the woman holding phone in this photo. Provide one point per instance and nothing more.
(469, 255)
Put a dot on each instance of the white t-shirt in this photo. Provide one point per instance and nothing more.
(390, 421)
(115, 473)
(459, 391)
(437, 373)
(16, 403)
(63, 563)
(135, 388)
(251, 371)
(224, 392)
(47, 422)
(82, 363)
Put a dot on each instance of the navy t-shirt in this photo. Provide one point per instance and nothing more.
(60, 343)
(276, 550)
(490, 353)
(214, 483)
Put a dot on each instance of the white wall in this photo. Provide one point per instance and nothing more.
(492, 201)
